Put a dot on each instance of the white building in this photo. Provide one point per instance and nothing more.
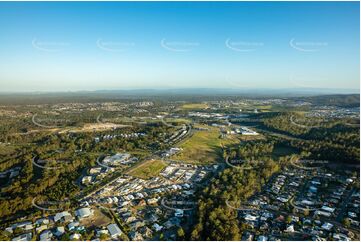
(250, 217)
(86, 179)
(247, 131)
(157, 227)
(59, 231)
(61, 215)
(179, 213)
(116, 159)
(290, 229)
(327, 226)
(114, 230)
(46, 235)
(23, 237)
(75, 236)
(95, 170)
(84, 213)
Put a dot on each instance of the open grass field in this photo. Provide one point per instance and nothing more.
(195, 106)
(263, 107)
(177, 120)
(204, 146)
(251, 137)
(148, 169)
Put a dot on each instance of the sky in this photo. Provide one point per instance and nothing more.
(72, 46)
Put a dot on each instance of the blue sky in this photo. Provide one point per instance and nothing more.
(71, 46)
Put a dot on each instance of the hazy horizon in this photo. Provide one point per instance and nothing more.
(200, 90)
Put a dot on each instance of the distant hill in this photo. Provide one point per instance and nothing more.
(346, 100)
(329, 96)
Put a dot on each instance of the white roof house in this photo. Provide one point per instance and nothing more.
(179, 213)
(327, 226)
(86, 179)
(114, 230)
(341, 237)
(262, 238)
(247, 131)
(290, 229)
(95, 170)
(328, 209)
(59, 231)
(23, 237)
(73, 225)
(102, 231)
(323, 213)
(41, 228)
(75, 236)
(116, 159)
(307, 202)
(28, 227)
(84, 212)
(46, 235)
(42, 221)
(157, 227)
(59, 216)
(250, 217)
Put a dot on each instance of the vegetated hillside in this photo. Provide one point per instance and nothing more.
(333, 141)
(347, 100)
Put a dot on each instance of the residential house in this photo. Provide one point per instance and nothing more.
(65, 216)
(23, 237)
(46, 235)
(84, 213)
(59, 231)
(114, 230)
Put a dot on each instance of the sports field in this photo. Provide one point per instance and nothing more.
(148, 169)
(195, 106)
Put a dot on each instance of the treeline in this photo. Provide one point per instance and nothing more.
(33, 182)
(291, 123)
(336, 142)
(346, 100)
(252, 150)
(327, 150)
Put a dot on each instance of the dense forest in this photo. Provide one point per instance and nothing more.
(333, 141)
